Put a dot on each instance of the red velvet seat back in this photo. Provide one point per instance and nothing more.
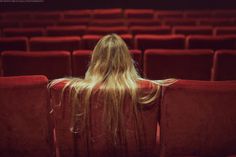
(13, 43)
(25, 32)
(198, 119)
(25, 123)
(70, 144)
(182, 64)
(224, 65)
(53, 64)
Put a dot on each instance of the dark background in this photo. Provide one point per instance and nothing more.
(92, 4)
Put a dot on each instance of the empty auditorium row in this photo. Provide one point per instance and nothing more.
(197, 118)
(80, 30)
(142, 42)
(201, 64)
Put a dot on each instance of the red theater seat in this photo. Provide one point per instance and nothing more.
(225, 13)
(193, 30)
(225, 30)
(26, 126)
(159, 41)
(107, 30)
(107, 13)
(13, 43)
(27, 32)
(54, 43)
(38, 23)
(198, 119)
(9, 24)
(51, 64)
(89, 41)
(66, 30)
(70, 144)
(47, 15)
(224, 65)
(150, 30)
(107, 22)
(16, 15)
(139, 13)
(180, 22)
(210, 42)
(75, 14)
(72, 22)
(181, 64)
(217, 22)
(199, 14)
(162, 14)
(143, 22)
(81, 58)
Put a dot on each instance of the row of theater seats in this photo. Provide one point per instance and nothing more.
(152, 64)
(134, 30)
(141, 42)
(117, 13)
(197, 118)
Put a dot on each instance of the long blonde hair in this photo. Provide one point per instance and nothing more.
(111, 69)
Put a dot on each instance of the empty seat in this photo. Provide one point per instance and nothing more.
(225, 31)
(180, 22)
(224, 63)
(107, 22)
(46, 15)
(198, 14)
(107, 30)
(65, 30)
(193, 30)
(17, 15)
(71, 22)
(181, 64)
(74, 14)
(9, 24)
(81, 58)
(217, 22)
(150, 30)
(51, 64)
(198, 119)
(159, 41)
(13, 43)
(27, 32)
(26, 125)
(143, 22)
(107, 13)
(224, 13)
(38, 23)
(70, 144)
(210, 42)
(162, 14)
(139, 13)
(54, 43)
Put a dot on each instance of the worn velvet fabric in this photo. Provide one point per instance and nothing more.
(198, 119)
(72, 144)
(26, 129)
(181, 64)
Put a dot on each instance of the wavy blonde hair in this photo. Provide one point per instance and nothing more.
(111, 69)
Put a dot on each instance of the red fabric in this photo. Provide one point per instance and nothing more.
(143, 22)
(150, 30)
(67, 141)
(182, 64)
(8, 24)
(107, 30)
(37, 23)
(169, 14)
(74, 14)
(210, 42)
(16, 15)
(217, 22)
(81, 58)
(107, 13)
(139, 13)
(46, 15)
(225, 30)
(52, 64)
(66, 30)
(26, 128)
(159, 41)
(193, 30)
(198, 119)
(13, 43)
(224, 63)
(27, 32)
(73, 22)
(54, 43)
(107, 22)
(198, 14)
(180, 22)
